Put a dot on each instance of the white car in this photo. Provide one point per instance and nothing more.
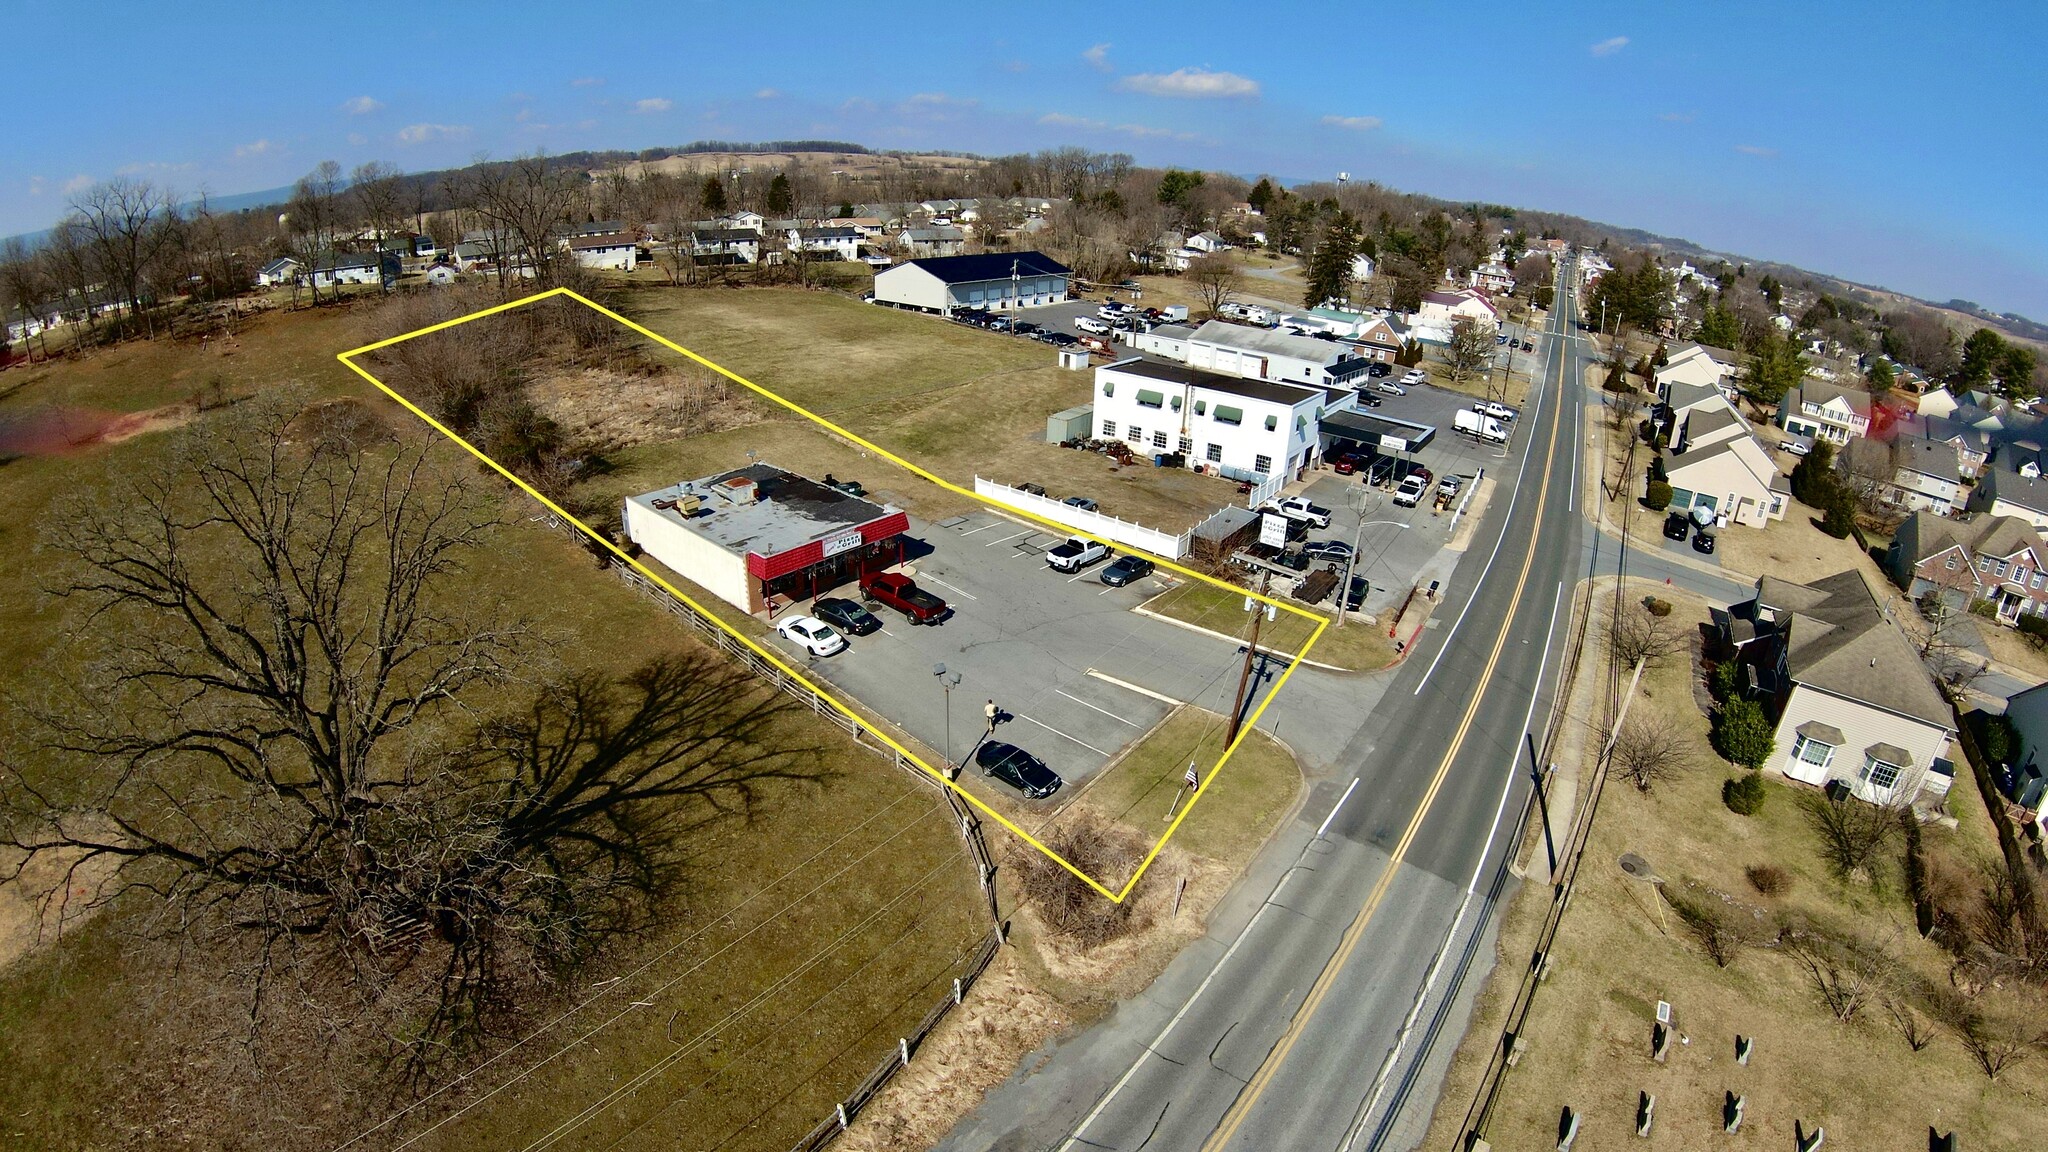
(1111, 311)
(812, 635)
(1091, 325)
(1414, 376)
(1410, 491)
(1495, 409)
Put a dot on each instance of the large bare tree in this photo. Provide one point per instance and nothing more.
(1216, 280)
(525, 203)
(124, 223)
(1471, 347)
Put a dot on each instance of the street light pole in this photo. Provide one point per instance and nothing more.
(946, 683)
(1251, 652)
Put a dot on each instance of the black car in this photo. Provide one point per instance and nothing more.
(1024, 328)
(1062, 340)
(1084, 503)
(1125, 569)
(1677, 526)
(1376, 371)
(1369, 400)
(846, 616)
(1355, 599)
(1703, 541)
(1017, 768)
(1335, 550)
(1295, 561)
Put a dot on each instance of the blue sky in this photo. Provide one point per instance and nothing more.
(1885, 144)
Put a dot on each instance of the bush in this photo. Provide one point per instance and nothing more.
(1657, 495)
(1723, 926)
(1743, 734)
(1656, 607)
(1839, 520)
(1996, 738)
(1745, 794)
(2035, 629)
(1768, 879)
(1726, 681)
(1984, 608)
(1657, 468)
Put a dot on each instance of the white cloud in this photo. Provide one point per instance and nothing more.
(1062, 120)
(361, 106)
(653, 104)
(586, 82)
(253, 148)
(1140, 131)
(1192, 83)
(76, 184)
(1609, 46)
(1755, 150)
(422, 133)
(768, 94)
(1097, 57)
(1354, 123)
(1147, 132)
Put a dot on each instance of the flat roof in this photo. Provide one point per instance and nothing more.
(1289, 394)
(789, 510)
(1269, 341)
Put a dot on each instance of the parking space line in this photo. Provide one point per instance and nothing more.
(1104, 711)
(1078, 575)
(983, 528)
(948, 587)
(1138, 688)
(1006, 539)
(1064, 736)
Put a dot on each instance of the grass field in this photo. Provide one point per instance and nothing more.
(812, 934)
(1622, 948)
(1356, 647)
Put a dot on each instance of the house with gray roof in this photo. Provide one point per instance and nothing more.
(1825, 411)
(1999, 559)
(1854, 705)
(2013, 486)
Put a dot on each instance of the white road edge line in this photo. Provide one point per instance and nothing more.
(1338, 806)
(1063, 735)
(1093, 708)
(1507, 522)
(1243, 934)
(1379, 1084)
(1138, 688)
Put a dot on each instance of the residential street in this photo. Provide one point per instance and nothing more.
(1280, 1028)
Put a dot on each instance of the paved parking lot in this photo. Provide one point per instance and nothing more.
(1081, 674)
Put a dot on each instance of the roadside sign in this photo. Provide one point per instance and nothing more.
(1273, 530)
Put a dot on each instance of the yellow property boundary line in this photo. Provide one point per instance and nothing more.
(1118, 895)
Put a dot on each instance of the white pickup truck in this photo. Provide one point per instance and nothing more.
(1299, 508)
(1075, 555)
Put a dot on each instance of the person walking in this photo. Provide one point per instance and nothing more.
(992, 712)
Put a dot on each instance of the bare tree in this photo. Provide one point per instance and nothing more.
(123, 222)
(378, 193)
(1650, 748)
(1849, 971)
(2002, 1027)
(1471, 348)
(526, 202)
(313, 219)
(1638, 636)
(1216, 280)
(1854, 833)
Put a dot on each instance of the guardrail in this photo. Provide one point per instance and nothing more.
(1094, 523)
(984, 953)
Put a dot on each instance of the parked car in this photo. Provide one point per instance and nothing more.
(1084, 503)
(1125, 569)
(902, 593)
(1703, 541)
(1391, 388)
(1379, 371)
(1369, 400)
(1528, 347)
(1495, 409)
(812, 635)
(1677, 526)
(1111, 310)
(1410, 491)
(1127, 285)
(1414, 376)
(1300, 508)
(1061, 339)
(1335, 551)
(1025, 328)
(846, 616)
(1017, 768)
(1354, 597)
(1502, 338)
(1449, 485)
(1407, 468)
(1091, 325)
(1034, 489)
(1380, 471)
(1002, 324)
(1345, 463)
(1077, 553)
(1798, 446)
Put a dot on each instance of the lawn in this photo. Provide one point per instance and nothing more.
(1241, 808)
(1622, 948)
(812, 934)
(1356, 647)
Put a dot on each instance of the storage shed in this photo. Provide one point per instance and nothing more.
(1073, 424)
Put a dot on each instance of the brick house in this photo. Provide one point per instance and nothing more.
(1997, 558)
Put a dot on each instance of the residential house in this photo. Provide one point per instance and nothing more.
(1270, 354)
(1707, 423)
(1853, 703)
(1442, 309)
(441, 273)
(1699, 364)
(1937, 402)
(1362, 268)
(996, 280)
(927, 242)
(619, 251)
(1376, 339)
(1678, 399)
(869, 227)
(1206, 243)
(1492, 277)
(2001, 559)
(750, 221)
(595, 228)
(829, 241)
(337, 268)
(1732, 476)
(2024, 780)
(2004, 490)
(726, 245)
(1243, 429)
(282, 270)
(1926, 475)
(1972, 445)
(1825, 411)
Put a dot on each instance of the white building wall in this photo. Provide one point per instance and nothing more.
(909, 286)
(624, 258)
(715, 569)
(1862, 726)
(1287, 445)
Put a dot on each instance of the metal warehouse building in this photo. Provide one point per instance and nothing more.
(759, 533)
(997, 281)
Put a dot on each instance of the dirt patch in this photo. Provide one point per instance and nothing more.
(50, 895)
(60, 431)
(623, 410)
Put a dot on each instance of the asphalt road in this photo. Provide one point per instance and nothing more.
(1284, 1027)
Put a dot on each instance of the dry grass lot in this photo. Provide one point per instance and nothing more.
(1356, 647)
(1622, 948)
(812, 933)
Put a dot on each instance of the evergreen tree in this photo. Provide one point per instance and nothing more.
(1261, 195)
(1719, 328)
(1776, 366)
(1329, 270)
(1742, 733)
(1814, 479)
(1881, 377)
(2016, 370)
(714, 194)
(1983, 354)
(779, 197)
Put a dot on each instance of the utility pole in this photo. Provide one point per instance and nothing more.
(1251, 652)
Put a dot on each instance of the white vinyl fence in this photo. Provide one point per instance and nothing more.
(1094, 523)
(1267, 489)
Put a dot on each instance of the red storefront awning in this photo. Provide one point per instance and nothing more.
(817, 551)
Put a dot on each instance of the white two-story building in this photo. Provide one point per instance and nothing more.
(1242, 429)
(1269, 354)
(1825, 411)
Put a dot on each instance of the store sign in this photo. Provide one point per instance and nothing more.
(844, 542)
(1273, 530)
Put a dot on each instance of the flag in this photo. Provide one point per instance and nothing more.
(1193, 781)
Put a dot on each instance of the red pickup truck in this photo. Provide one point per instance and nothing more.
(901, 593)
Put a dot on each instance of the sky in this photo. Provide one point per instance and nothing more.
(1884, 144)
